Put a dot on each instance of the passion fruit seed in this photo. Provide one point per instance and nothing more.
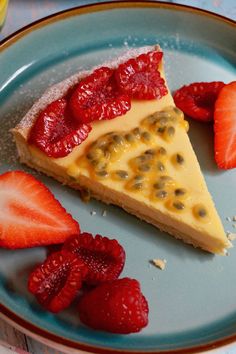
(101, 143)
(166, 113)
(137, 132)
(122, 174)
(166, 178)
(161, 194)
(102, 173)
(117, 139)
(101, 165)
(162, 120)
(161, 130)
(138, 186)
(94, 162)
(94, 154)
(138, 178)
(159, 185)
(162, 151)
(140, 159)
(179, 159)
(146, 136)
(202, 212)
(160, 166)
(129, 137)
(180, 191)
(106, 154)
(144, 168)
(90, 156)
(150, 152)
(151, 119)
(171, 131)
(178, 205)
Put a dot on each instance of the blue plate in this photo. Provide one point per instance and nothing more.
(193, 302)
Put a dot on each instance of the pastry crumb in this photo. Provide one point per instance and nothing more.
(159, 263)
(85, 195)
(231, 236)
(234, 218)
(104, 213)
(93, 212)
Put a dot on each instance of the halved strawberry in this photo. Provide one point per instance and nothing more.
(55, 132)
(197, 100)
(55, 282)
(225, 127)
(139, 77)
(29, 213)
(97, 97)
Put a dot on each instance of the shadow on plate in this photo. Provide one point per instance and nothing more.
(202, 138)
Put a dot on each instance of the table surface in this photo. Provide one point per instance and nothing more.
(21, 13)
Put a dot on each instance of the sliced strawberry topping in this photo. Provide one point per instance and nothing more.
(55, 283)
(197, 100)
(116, 306)
(29, 214)
(96, 97)
(55, 132)
(139, 77)
(225, 127)
(104, 257)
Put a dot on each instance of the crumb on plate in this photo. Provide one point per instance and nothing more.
(159, 263)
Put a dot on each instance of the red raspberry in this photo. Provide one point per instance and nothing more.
(139, 77)
(55, 132)
(197, 100)
(56, 282)
(104, 258)
(116, 306)
(96, 97)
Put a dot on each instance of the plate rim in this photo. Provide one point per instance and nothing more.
(25, 325)
(107, 5)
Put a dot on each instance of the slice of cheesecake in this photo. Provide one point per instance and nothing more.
(142, 161)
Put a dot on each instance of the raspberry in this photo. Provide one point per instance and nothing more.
(104, 258)
(116, 306)
(96, 97)
(139, 77)
(197, 100)
(56, 282)
(55, 132)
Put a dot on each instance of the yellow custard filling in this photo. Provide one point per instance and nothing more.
(113, 157)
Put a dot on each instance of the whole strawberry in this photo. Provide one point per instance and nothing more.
(116, 306)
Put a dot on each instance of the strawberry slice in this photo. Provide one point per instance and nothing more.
(55, 132)
(104, 257)
(96, 97)
(197, 100)
(139, 77)
(55, 283)
(225, 127)
(30, 215)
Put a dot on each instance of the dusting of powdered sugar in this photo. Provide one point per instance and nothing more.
(11, 112)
